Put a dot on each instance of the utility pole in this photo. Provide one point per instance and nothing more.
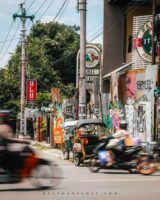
(23, 18)
(82, 78)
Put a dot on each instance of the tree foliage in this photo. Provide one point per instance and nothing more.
(51, 51)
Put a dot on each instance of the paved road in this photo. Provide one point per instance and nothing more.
(78, 183)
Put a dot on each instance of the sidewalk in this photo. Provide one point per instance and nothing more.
(45, 147)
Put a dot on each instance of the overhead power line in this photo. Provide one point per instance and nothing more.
(6, 37)
(30, 5)
(63, 10)
(10, 42)
(114, 23)
(60, 10)
(52, 1)
(40, 7)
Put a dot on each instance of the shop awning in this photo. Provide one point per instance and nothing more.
(121, 69)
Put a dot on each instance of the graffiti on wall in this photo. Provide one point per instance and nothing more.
(113, 118)
(144, 121)
(131, 85)
(145, 85)
(129, 110)
(158, 118)
(145, 82)
(114, 86)
(141, 120)
(70, 109)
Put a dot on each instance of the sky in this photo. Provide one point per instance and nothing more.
(45, 11)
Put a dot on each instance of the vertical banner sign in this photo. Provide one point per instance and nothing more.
(31, 91)
(55, 93)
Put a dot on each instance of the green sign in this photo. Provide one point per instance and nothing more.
(157, 92)
(145, 42)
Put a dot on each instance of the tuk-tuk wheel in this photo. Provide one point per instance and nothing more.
(77, 159)
(66, 154)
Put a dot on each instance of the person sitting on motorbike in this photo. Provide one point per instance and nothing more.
(78, 139)
(9, 159)
(122, 136)
(121, 139)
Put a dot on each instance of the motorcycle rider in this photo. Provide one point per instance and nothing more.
(122, 136)
(9, 159)
(120, 140)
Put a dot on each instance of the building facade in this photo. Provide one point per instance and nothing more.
(129, 79)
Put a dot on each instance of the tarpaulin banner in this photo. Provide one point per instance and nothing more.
(58, 133)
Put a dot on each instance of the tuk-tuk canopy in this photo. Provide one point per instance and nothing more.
(69, 123)
(83, 122)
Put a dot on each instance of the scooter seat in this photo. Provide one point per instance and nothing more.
(132, 150)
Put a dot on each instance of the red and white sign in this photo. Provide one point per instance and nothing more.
(31, 91)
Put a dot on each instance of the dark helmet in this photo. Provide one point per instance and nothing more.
(123, 124)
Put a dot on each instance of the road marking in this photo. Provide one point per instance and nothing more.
(118, 180)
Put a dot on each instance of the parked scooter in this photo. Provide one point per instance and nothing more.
(18, 165)
(131, 159)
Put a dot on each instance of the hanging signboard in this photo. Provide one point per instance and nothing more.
(93, 57)
(31, 91)
(142, 41)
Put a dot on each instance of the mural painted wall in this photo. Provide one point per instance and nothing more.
(131, 86)
(140, 101)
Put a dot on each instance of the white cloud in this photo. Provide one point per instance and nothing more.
(46, 19)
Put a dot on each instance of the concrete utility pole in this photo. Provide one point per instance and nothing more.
(23, 18)
(82, 78)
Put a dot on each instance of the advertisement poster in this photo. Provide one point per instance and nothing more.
(144, 121)
(58, 133)
(146, 82)
(114, 86)
(129, 109)
(131, 85)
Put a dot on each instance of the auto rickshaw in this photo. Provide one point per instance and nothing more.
(69, 133)
(89, 133)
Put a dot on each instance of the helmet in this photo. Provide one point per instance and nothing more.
(123, 124)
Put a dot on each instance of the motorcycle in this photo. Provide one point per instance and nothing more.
(131, 159)
(18, 165)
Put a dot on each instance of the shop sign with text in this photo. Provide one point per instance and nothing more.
(31, 91)
(143, 42)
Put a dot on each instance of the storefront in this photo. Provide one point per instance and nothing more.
(133, 86)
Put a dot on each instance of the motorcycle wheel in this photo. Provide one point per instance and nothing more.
(147, 166)
(43, 176)
(65, 154)
(94, 166)
(76, 159)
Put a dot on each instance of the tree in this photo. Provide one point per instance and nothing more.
(52, 50)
